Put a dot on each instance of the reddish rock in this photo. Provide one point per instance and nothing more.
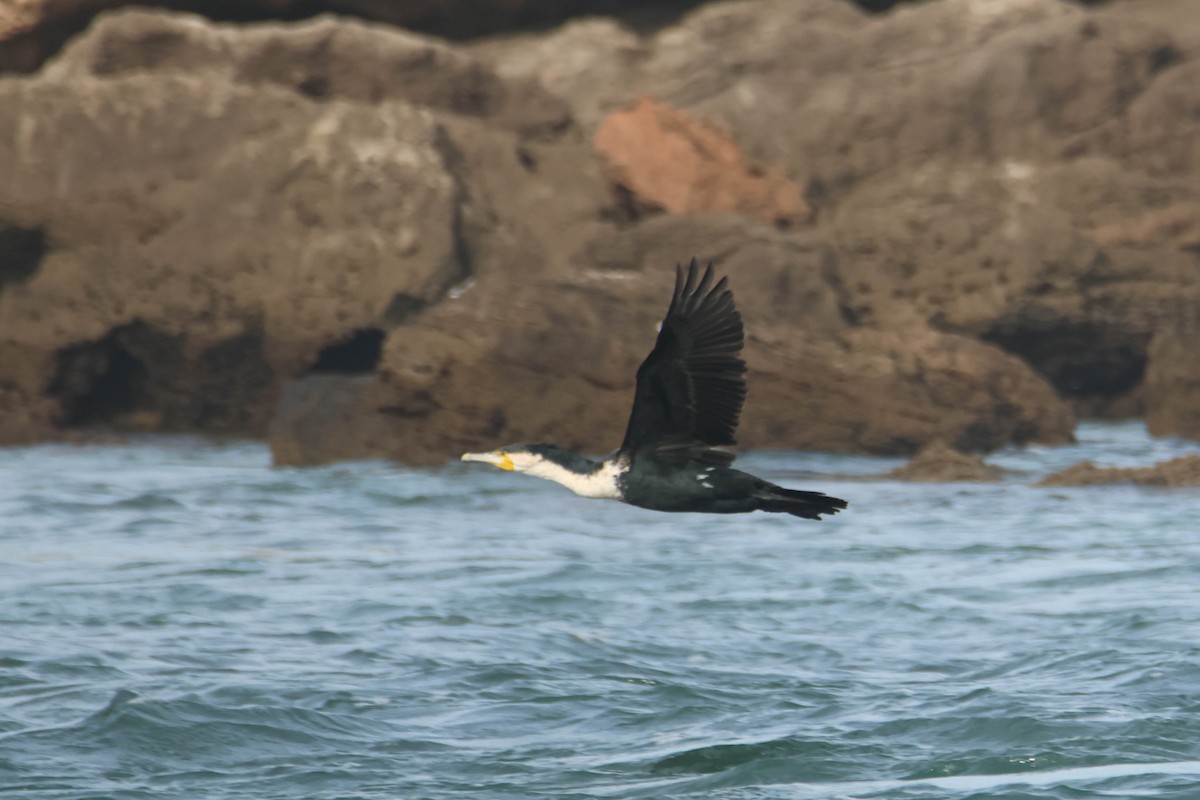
(658, 158)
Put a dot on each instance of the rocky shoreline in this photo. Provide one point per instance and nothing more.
(959, 221)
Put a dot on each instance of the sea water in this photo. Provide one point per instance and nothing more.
(178, 619)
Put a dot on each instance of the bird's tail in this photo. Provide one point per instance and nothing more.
(799, 503)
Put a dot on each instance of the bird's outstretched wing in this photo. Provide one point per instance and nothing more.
(691, 387)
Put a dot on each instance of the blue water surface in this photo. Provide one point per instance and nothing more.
(180, 619)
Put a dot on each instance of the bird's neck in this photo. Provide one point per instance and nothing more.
(583, 476)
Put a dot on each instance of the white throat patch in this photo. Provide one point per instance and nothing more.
(601, 484)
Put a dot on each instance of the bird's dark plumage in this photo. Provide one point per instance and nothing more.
(677, 450)
(691, 387)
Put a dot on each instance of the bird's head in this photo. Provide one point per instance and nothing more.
(514, 457)
(539, 460)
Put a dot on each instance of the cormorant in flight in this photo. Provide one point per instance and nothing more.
(677, 452)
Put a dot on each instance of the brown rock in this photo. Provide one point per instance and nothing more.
(1183, 471)
(323, 59)
(1163, 129)
(962, 246)
(324, 418)
(890, 394)
(1172, 392)
(959, 157)
(156, 269)
(32, 30)
(939, 462)
(153, 295)
(590, 62)
(661, 159)
(818, 382)
(25, 419)
(193, 216)
(840, 99)
(1177, 16)
(977, 251)
(566, 378)
(21, 16)
(555, 360)
(1175, 226)
(185, 228)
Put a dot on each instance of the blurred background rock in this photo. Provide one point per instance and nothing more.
(409, 229)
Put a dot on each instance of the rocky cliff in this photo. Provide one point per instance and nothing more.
(962, 220)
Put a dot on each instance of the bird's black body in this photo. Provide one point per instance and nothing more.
(677, 450)
(720, 491)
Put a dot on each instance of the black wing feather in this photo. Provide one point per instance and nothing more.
(691, 387)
